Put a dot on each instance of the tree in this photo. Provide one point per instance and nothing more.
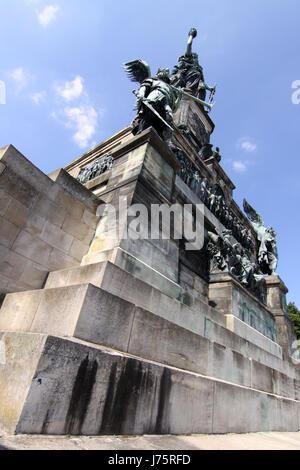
(294, 315)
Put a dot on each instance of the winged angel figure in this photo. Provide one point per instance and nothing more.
(157, 99)
(267, 253)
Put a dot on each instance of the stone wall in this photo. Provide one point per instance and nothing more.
(45, 224)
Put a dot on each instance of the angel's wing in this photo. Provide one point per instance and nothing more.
(137, 70)
(253, 216)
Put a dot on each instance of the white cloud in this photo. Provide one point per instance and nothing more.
(246, 145)
(84, 120)
(70, 90)
(80, 116)
(20, 77)
(38, 97)
(47, 15)
(240, 166)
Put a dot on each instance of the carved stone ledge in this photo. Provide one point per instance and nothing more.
(231, 298)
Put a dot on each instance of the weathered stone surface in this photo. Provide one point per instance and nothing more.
(43, 223)
(16, 213)
(232, 299)
(261, 411)
(5, 199)
(2, 167)
(124, 395)
(9, 232)
(276, 299)
(56, 238)
(77, 191)
(194, 317)
(32, 248)
(190, 354)
(245, 331)
(93, 315)
(105, 319)
(50, 211)
(23, 353)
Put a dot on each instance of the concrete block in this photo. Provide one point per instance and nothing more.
(297, 389)
(116, 281)
(229, 365)
(263, 378)
(78, 250)
(75, 228)
(13, 265)
(2, 168)
(91, 273)
(18, 310)
(105, 319)
(9, 285)
(242, 410)
(158, 171)
(121, 395)
(18, 188)
(74, 388)
(5, 199)
(73, 207)
(286, 386)
(59, 260)
(22, 354)
(157, 339)
(59, 310)
(34, 224)
(8, 232)
(142, 271)
(32, 248)
(56, 238)
(287, 415)
(34, 275)
(3, 252)
(160, 255)
(250, 334)
(50, 211)
(29, 174)
(76, 190)
(17, 213)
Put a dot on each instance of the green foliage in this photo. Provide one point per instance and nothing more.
(294, 315)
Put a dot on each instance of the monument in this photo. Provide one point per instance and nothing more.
(109, 325)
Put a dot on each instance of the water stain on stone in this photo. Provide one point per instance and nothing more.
(162, 419)
(2, 298)
(129, 393)
(122, 397)
(45, 423)
(81, 396)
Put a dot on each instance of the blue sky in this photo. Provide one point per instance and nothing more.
(66, 90)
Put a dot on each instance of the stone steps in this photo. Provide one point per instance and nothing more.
(188, 311)
(92, 314)
(68, 386)
(198, 317)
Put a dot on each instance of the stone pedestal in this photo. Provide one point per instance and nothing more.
(245, 314)
(195, 123)
(124, 341)
(276, 300)
(119, 335)
(143, 173)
